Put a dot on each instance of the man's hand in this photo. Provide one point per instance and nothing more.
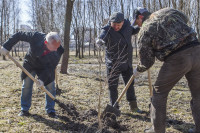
(4, 51)
(39, 83)
(135, 72)
(100, 43)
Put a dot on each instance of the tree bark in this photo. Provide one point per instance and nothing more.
(198, 17)
(68, 19)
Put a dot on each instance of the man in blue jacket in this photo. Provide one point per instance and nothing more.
(116, 36)
(41, 60)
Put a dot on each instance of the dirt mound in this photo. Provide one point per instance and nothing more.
(68, 108)
(87, 121)
(110, 120)
(91, 112)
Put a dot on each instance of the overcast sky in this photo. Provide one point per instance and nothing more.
(24, 15)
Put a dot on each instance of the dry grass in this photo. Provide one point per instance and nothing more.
(81, 88)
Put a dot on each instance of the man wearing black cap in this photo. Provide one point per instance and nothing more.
(165, 35)
(116, 37)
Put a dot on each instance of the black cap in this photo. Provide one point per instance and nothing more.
(139, 11)
(117, 17)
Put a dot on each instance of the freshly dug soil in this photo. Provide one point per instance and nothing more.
(87, 121)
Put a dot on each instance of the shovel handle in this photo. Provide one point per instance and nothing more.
(30, 76)
(124, 90)
(56, 77)
(150, 83)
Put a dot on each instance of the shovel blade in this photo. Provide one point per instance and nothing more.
(111, 109)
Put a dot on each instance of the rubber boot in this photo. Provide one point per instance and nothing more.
(134, 108)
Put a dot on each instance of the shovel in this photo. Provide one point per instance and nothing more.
(150, 87)
(58, 90)
(150, 83)
(113, 109)
(62, 105)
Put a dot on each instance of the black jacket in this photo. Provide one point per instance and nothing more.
(119, 49)
(44, 66)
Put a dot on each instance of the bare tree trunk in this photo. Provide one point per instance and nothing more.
(122, 6)
(82, 41)
(154, 5)
(83, 30)
(169, 3)
(109, 8)
(160, 3)
(144, 3)
(76, 40)
(52, 16)
(79, 45)
(2, 18)
(68, 19)
(5, 22)
(89, 13)
(198, 19)
(90, 40)
(181, 4)
(174, 4)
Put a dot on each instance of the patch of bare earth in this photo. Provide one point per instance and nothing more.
(80, 92)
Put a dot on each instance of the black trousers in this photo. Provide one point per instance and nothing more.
(113, 79)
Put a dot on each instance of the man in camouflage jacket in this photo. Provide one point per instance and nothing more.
(165, 35)
(116, 37)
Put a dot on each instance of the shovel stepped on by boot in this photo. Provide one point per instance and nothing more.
(113, 109)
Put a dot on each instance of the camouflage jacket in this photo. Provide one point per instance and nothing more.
(162, 33)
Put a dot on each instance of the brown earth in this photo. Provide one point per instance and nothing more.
(80, 93)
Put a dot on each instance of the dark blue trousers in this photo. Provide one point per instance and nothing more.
(113, 79)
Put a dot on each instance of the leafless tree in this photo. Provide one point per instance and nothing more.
(9, 12)
(68, 19)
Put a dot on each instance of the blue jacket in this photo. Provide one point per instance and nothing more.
(44, 66)
(119, 49)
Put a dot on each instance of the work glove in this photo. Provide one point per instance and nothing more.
(99, 43)
(4, 51)
(40, 83)
(136, 73)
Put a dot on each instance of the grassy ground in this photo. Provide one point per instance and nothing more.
(81, 88)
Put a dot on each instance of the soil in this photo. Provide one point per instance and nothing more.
(78, 103)
(74, 120)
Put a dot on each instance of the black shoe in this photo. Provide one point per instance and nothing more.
(52, 115)
(149, 130)
(24, 113)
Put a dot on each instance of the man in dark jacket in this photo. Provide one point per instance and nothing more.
(165, 35)
(116, 36)
(41, 60)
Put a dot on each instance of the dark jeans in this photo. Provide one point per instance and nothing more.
(113, 79)
(184, 63)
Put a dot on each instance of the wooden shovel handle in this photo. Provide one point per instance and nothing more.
(125, 89)
(150, 83)
(30, 76)
(56, 76)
